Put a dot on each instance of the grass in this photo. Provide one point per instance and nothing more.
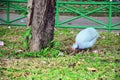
(58, 63)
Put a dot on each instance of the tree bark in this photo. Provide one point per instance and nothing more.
(43, 22)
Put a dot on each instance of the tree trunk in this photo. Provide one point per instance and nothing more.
(42, 21)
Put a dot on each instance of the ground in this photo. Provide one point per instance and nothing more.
(101, 62)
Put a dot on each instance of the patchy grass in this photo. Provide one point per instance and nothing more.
(101, 62)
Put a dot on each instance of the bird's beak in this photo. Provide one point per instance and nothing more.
(75, 50)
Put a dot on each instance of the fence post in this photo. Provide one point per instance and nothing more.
(81, 9)
(110, 16)
(8, 12)
(57, 13)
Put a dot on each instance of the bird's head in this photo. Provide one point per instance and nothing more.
(75, 48)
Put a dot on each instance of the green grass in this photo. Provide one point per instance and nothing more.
(17, 63)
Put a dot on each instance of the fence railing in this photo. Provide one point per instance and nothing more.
(103, 14)
(13, 6)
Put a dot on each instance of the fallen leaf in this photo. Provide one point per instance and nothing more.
(95, 51)
(118, 33)
(92, 69)
(103, 37)
(1, 43)
(72, 65)
(17, 74)
(61, 54)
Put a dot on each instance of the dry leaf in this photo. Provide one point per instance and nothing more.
(17, 74)
(72, 65)
(95, 51)
(92, 69)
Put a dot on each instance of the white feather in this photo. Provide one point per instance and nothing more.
(86, 38)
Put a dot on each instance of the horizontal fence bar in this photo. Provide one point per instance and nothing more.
(87, 3)
(14, 24)
(97, 27)
(66, 11)
(18, 7)
(3, 8)
(69, 26)
(17, 1)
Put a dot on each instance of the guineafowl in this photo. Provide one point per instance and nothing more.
(85, 39)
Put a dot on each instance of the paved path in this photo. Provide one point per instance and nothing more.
(86, 22)
(12, 17)
(81, 21)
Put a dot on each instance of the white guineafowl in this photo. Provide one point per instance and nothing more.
(85, 39)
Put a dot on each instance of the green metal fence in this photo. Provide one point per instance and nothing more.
(103, 14)
(13, 6)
